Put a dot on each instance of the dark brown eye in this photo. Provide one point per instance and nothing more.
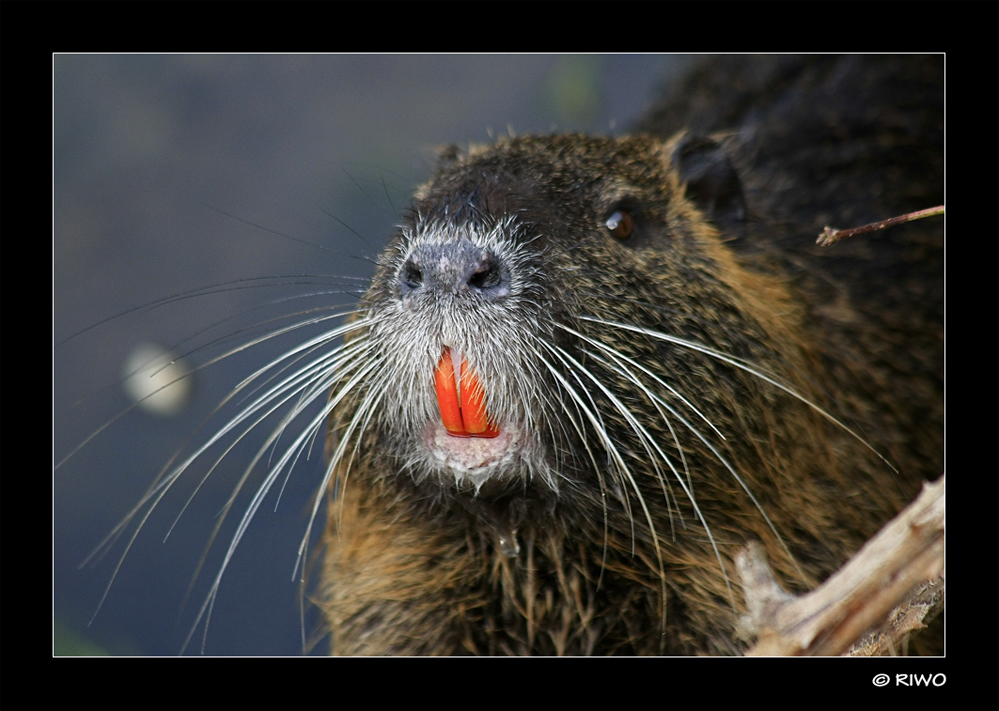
(620, 224)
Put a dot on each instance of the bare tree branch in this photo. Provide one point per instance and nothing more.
(893, 586)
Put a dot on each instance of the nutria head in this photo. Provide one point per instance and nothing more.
(617, 367)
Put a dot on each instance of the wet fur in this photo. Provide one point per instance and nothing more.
(628, 508)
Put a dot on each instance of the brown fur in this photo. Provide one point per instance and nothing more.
(414, 565)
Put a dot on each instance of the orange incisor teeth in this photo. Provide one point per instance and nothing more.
(464, 414)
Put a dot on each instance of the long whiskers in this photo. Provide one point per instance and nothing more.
(628, 367)
(621, 466)
(747, 367)
(579, 428)
(329, 376)
(308, 384)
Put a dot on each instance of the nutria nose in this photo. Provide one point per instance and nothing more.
(454, 267)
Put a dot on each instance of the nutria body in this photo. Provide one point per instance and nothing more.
(668, 368)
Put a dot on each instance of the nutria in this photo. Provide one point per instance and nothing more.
(588, 370)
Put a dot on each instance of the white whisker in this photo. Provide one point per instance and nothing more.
(623, 468)
(743, 365)
(721, 459)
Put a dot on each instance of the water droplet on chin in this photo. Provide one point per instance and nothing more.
(508, 544)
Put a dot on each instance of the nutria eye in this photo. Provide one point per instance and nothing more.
(620, 225)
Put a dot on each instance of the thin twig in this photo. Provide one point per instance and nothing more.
(830, 236)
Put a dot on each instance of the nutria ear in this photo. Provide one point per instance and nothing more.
(711, 181)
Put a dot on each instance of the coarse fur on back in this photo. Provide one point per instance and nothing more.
(669, 367)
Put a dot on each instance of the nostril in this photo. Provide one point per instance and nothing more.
(411, 275)
(486, 276)
(478, 280)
